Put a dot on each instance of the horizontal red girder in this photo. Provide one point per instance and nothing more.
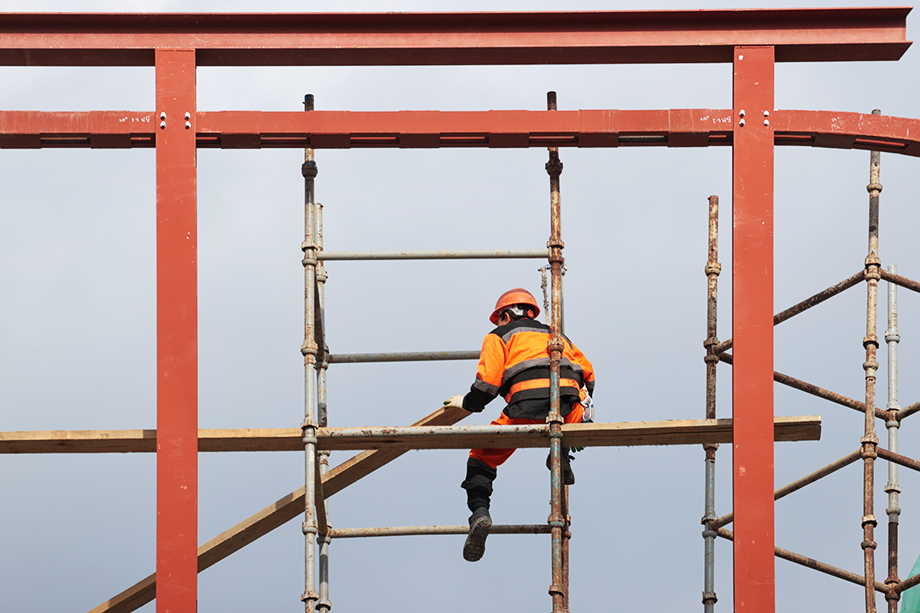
(685, 36)
(432, 129)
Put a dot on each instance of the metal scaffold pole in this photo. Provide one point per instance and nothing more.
(869, 440)
(893, 488)
(325, 536)
(309, 351)
(713, 268)
(557, 519)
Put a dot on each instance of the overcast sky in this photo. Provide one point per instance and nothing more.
(77, 330)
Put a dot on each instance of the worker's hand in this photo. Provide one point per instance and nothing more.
(455, 402)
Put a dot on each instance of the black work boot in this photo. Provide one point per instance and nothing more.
(568, 475)
(480, 525)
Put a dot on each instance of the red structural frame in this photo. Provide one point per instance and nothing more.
(176, 43)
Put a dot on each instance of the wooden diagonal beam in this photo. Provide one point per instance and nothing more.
(273, 516)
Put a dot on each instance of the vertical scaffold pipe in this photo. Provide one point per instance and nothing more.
(713, 268)
(893, 488)
(869, 441)
(309, 351)
(555, 245)
(324, 539)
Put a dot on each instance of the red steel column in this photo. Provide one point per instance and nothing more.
(752, 323)
(177, 334)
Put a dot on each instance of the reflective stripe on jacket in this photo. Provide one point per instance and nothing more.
(514, 363)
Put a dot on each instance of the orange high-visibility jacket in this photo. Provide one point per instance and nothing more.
(514, 363)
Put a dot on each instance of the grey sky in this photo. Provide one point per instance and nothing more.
(77, 330)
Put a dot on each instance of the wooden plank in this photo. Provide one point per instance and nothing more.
(419, 436)
(273, 516)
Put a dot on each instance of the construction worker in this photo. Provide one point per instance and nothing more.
(514, 363)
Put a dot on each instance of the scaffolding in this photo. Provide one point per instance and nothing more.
(892, 587)
(177, 45)
(317, 528)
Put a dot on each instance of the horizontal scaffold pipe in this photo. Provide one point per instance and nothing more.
(345, 533)
(909, 410)
(899, 280)
(814, 390)
(803, 306)
(416, 356)
(797, 484)
(432, 255)
(617, 434)
(813, 564)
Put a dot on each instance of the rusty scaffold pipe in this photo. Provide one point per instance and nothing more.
(414, 356)
(893, 487)
(713, 268)
(870, 342)
(309, 349)
(557, 519)
(470, 254)
(346, 533)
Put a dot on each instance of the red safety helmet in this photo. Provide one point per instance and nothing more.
(518, 295)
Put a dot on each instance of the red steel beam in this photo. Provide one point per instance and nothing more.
(177, 335)
(421, 129)
(752, 323)
(373, 39)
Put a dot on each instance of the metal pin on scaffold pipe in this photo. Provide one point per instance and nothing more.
(309, 350)
(556, 518)
(893, 487)
(713, 268)
(870, 342)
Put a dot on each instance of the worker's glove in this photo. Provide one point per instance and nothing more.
(588, 417)
(588, 404)
(455, 402)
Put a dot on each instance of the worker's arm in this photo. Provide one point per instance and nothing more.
(586, 367)
(488, 375)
